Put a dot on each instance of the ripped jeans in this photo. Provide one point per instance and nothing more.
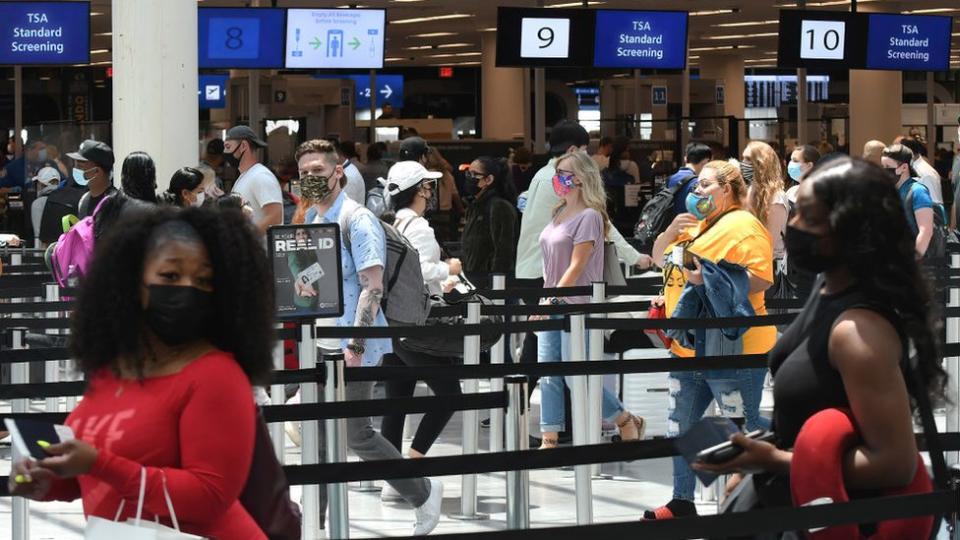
(736, 391)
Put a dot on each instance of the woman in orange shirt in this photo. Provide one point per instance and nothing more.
(715, 229)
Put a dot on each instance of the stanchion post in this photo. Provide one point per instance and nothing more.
(471, 422)
(518, 482)
(51, 368)
(595, 382)
(496, 385)
(20, 374)
(953, 368)
(310, 436)
(335, 390)
(277, 398)
(578, 401)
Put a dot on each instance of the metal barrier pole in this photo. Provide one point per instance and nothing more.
(335, 390)
(51, 368)
(953, 368)
(310, 436)
(595, 382)
(496, 385)
(276, 398)
(20, 374)
(578, 401)
(15, 260)
(518, 482)
(471, 422)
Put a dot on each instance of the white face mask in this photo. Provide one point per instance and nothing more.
(198, 202)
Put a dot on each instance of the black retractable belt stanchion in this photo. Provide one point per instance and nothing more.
(335, 390)
(471, 422)
(496, 383)
(518, 482)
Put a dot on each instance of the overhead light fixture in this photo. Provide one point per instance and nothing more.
(434, 18)
(741, 36)
(712, 12)
(453, 45)
(394, 59)
(405, 1)
(491, 29)
(96, 13)
(723, 48)
(745, 23)
(574, 4)
(104, 34)
(99, 51)
(453, 55)
(825, 4)
(433, 34)
(930, 10)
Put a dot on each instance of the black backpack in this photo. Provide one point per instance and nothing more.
(658, 213)
(60, 203)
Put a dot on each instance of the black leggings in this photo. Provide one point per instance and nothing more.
(432, 423)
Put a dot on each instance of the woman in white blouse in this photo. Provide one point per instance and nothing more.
(411, 193)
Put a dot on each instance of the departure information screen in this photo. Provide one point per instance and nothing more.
(44, 33)
(240, 38)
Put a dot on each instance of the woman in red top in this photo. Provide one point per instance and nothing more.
(173, 324)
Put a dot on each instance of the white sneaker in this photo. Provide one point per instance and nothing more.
(428, 514)
(389, 495)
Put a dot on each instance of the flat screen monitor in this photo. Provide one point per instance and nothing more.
(240, 38)
(821, 40)
(640, 39)
(908, 42)
(335, 38)
(44, 33)
(532, 37)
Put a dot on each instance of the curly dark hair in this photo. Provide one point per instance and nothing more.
(108, 320)
(875, 243)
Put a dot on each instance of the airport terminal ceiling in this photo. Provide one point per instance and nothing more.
(448, 32)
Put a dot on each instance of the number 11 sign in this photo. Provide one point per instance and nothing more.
(544, 38)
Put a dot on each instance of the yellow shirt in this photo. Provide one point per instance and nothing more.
(738, 238)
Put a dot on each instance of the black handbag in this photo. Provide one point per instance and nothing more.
(266, 495)
(443, 343)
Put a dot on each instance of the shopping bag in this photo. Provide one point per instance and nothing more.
(135, 528)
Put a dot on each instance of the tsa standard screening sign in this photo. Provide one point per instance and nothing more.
(908, 42)
(307, 278)
(641, 39)
(44, 33)
(335, 38)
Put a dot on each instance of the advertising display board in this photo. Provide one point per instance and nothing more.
(307, 276)
(240, 38)
(44, 33)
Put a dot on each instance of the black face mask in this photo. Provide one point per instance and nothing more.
(232, 159)
(471, 186)
(178, 315)
(805, 250)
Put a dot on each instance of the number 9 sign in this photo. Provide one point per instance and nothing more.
(544, 38)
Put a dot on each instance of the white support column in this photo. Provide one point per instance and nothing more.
(155, 103)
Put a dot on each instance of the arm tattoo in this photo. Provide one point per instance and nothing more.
(368, 305)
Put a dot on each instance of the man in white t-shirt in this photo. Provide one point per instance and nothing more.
(356, 189)
(256, 184)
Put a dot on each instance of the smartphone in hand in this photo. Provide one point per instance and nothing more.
(725, 451)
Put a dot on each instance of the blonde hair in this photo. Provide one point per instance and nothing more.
(730, 175)
(591, 185)
(767, 178)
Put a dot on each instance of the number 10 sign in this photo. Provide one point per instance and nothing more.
(822, 40)
(544, 38)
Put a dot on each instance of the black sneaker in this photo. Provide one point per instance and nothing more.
(673, 509)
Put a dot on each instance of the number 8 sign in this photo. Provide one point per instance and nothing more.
(544, 38)
(822, 40)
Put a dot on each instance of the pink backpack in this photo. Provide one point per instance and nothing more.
(74, 250)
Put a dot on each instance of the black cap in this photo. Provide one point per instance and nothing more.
(215, 147)
(244, 133)
(565, 134)
(413, 148)
(94, 151)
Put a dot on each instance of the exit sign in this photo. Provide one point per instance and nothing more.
(446, 72)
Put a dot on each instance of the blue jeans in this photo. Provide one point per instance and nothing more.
(736, 391)
(555, 347)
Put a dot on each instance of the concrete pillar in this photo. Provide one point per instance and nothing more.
(502, 104)
(728, 69)
(876, 98)
(155, 101)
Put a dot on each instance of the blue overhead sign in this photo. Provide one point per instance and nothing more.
(641, 39)
(213, 91)
(240, 38)
(389, 90)
(44, 33)
(908, 42)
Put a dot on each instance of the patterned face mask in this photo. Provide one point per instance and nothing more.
(315, 187)
(563, 184)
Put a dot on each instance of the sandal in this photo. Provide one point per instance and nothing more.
(632, 428)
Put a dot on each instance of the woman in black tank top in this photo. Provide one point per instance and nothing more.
(846, 348)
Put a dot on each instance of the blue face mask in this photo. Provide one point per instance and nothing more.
(42, 155)
(700, 206)
(794, 170)
(79, 177)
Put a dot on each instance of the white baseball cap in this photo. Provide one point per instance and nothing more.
(47, 176)
(406, 174)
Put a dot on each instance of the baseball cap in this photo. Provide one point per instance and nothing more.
(244, 133)
(215, 147)
(406, 174)
(95, 151)
(47, 176)
(413, 148)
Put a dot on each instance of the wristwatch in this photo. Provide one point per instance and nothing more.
(554, 301)
(356, 348)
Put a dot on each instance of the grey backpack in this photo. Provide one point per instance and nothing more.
(406, 299)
